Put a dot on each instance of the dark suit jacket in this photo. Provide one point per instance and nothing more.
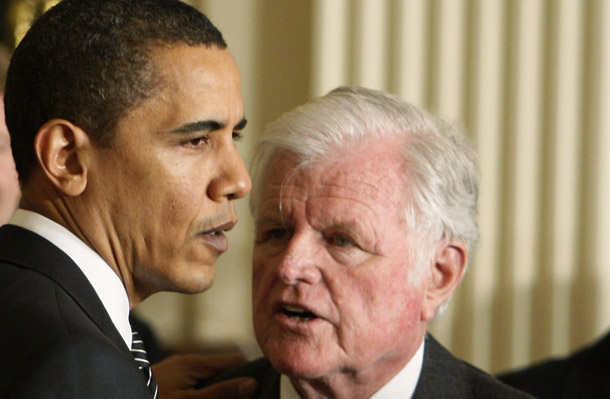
(56, 338)
(585, 374)
(442, 377)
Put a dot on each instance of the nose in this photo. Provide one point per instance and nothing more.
(233, 181)
(298, 263)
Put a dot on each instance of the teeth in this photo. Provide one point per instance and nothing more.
(294, 309)
(298, 313)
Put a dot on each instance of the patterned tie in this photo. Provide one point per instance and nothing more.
(139, 354)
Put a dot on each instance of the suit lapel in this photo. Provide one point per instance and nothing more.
(29, 250)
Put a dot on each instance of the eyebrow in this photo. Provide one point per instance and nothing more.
(270, 221)
(207, 126)
(241, 125)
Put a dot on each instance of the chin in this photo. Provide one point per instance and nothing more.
(193, 282)
(301, 371)
(198, 286)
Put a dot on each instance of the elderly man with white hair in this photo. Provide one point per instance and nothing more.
(365, 214)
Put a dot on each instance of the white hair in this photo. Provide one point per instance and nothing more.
(441, 170)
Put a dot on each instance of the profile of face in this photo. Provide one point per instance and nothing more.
(166, 186)
(9, 185)
(332, 289)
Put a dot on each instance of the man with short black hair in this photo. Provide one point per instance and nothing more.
(123, 116)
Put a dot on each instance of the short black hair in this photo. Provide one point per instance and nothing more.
(89, 62)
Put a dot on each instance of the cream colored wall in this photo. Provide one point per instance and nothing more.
(530, 79)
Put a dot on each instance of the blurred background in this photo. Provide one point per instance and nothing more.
(529, 79)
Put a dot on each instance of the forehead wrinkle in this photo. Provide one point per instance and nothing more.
(336, 199)
(362, 192)
(272, 201)
(352, 180)
(356, 219)
(361, 218)
(338, 184)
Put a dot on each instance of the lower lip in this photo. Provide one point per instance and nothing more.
(217, 241)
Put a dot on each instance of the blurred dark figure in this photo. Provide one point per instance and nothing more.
(584, 374)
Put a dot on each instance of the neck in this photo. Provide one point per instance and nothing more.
(361, 384)
(83, 220)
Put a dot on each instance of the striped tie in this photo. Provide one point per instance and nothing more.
(139, 354)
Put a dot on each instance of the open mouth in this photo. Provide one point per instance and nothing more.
(297, 313)
(216, 237)
(217, 240)
(220, 229)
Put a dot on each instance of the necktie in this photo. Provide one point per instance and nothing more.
(139, 354)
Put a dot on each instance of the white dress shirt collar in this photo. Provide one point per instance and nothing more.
(401, 386)
(105, 281)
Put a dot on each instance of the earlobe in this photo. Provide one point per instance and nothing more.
(444, 277)
(61, 149)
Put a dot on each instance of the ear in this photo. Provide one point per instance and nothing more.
(61, 148)
(444, 276)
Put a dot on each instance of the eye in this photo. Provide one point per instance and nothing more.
(342, 241)
(237, 136)
(277, 234)
(273, 235)
(196, 142)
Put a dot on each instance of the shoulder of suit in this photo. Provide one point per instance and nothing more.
(441, 368)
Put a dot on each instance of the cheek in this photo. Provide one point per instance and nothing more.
(187, 190)
(174, 197)
(395, 315)
(261, 281)
(261, 312)
(402, 308)
(183, 201)
(387, 299)
(256, 269)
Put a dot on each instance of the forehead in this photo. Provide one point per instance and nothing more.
(194, 83)
(181, 61)
(370, 177)
(206, 75)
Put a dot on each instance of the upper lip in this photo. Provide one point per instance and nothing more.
(222, 227)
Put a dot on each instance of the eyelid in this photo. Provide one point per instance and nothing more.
(266, 234)
(341, 235)
(190, 141)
